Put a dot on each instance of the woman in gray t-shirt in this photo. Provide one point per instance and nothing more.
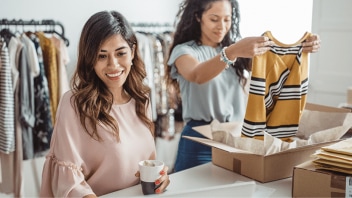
(209, 66)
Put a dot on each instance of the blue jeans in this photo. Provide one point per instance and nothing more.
(191, 153)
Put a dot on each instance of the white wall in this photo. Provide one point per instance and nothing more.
(74, 13)
(287, 20)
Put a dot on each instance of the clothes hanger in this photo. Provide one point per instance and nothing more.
(52, 30)
(5, 32)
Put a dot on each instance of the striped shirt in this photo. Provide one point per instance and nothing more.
(278, 89)
(7, 106)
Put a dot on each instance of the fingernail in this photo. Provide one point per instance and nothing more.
(162, 172)
(157, 191)
(157, 182)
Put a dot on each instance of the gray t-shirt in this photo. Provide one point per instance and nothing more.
(221, 98)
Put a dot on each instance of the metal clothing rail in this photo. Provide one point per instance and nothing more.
(50, 26)
(153, 27)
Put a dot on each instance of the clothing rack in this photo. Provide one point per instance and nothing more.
(48, 24)
(153, 27)
(155, 40)
(141, 24)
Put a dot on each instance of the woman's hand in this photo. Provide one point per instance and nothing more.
(163, 181)
(249, 47)
(312, 44)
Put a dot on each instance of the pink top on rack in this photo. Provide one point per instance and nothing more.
(78, 165)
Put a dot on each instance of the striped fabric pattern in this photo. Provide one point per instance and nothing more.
(277, 92)
(7, 106)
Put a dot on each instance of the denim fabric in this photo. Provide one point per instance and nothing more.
(191, 153)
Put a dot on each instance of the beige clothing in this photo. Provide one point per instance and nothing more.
(62, 61)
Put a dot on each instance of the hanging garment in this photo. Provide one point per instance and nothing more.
(277, 91)
(43, 126)
(146, 51)
(11, 163)
(27, 113)
(31, 56)
(7, 125)
(159, 75)
(15, 159)
(7, 119)
(51, 73)
(63, 59)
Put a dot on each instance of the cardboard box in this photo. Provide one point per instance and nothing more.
(310, 182)
(263, 168)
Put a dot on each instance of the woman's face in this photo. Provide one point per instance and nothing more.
(114, 62)
(215, 23)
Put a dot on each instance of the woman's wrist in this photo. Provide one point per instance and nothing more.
(224, 58)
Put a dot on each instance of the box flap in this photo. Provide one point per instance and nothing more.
(204, 130)
(218, 145)
(234, 128)
(323, 108)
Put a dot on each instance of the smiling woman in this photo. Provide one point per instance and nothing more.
(104, 118)
(113, 66)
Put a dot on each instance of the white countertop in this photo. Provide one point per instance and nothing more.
(211, 180)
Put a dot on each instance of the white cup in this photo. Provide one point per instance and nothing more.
(149, 172)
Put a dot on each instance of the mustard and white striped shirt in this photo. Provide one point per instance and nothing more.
(278, 89)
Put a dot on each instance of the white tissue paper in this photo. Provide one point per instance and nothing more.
(314, 127)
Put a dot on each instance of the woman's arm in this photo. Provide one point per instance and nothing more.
(201, 72)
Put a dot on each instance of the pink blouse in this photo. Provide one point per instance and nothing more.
(78, 165)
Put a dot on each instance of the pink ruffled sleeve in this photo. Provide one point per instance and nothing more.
(63, 179)
(62, 174)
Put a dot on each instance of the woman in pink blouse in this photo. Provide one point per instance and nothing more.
(103, 126)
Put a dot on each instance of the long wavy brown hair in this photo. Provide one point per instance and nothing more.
(188, 28)
(91, 97)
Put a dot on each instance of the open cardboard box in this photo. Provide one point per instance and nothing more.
(311, 182)
(263, 168)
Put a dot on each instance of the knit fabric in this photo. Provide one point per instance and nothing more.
(278, 89)
(7, 106)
